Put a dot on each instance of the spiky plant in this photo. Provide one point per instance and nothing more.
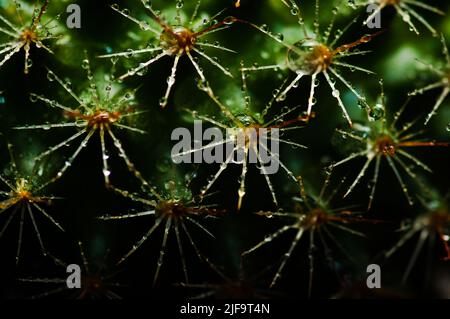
(250, 134)
(22, 197)
(173, 209)
(443, 81)
(101, 108)
(176, 40)
(382, 139)
(311, 215)
(433, 225)
(318, 53)
(33, 31)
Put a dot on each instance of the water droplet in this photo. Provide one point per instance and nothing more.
(280, 36)
(129, 53)
(147, 4)
(171, 80)
(51, 76)
(144, 25)
(329, 169)
(361, 104)
(285, 109)
(85, 64)
(229, 21)
(407, 18)
(33, 97)
(179, 4)
(202, 84)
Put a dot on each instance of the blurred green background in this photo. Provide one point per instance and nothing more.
(85, 197)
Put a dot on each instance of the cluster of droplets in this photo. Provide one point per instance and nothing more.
(179, 40)
(174, 192)
(26, 34)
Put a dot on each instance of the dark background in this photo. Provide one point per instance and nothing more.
(85, 196)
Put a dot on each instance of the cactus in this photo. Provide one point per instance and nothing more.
(135, 74)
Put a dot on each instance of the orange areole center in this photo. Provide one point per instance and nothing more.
(178, 41)
(386, 146)
(28, 36)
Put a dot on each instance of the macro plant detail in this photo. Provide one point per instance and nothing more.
(96, 282)
(22, 198)
(100, 109)
(224, 149)
(406, 9)
(248, 140)
(242, 286)
(173, 210)
(443, 82)
(182, 38)
(311, 216)
(433, 226)
(318, 53)
(26, 34)
(382, 139)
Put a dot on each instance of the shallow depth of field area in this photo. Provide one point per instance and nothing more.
(353, 97)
